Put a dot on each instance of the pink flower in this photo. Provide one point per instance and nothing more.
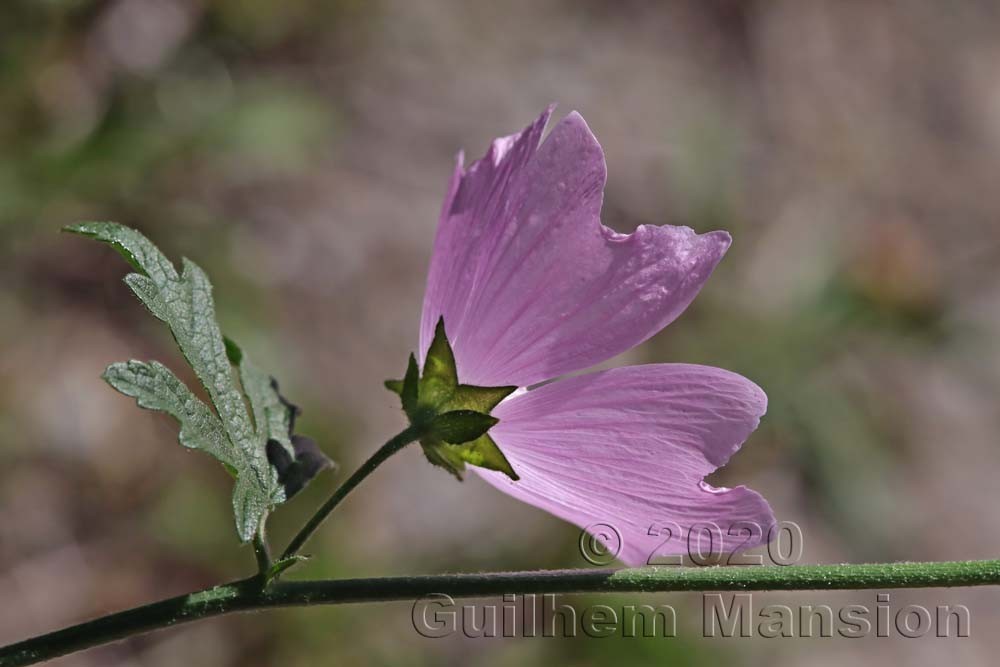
(532, 286)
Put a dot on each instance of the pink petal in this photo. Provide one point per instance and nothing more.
(629, 447)
(530, 283)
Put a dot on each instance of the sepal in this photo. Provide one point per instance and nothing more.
(454, 418)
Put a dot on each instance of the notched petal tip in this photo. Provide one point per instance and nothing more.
(577, 122)
(501, 146)
(723, 238)
(573, 145)
(715, 242)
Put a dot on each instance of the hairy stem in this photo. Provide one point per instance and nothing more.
(262, 551)
(401, 440)
(249, 595)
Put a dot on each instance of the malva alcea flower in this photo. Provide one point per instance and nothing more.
(531, 286)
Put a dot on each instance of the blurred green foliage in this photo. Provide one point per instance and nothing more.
(96, 119)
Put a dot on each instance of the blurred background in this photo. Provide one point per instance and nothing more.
(299, 152)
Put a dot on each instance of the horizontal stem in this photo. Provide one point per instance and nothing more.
(248, 595)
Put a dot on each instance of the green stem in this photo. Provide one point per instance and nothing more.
(401, 440)
(262, 551)
(248, 594)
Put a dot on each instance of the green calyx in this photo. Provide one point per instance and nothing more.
(454, 419)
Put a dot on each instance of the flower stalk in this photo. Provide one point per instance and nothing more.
(249, 595)
(401, 440)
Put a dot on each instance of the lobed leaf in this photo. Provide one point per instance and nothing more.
(233, 435)
(155, 387)
(295, 458)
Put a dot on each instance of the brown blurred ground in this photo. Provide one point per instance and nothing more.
(299, 152)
